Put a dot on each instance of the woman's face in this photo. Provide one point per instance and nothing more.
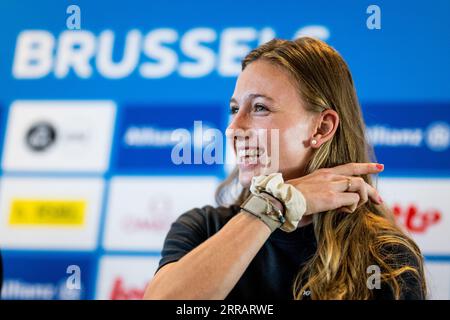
(265, 97)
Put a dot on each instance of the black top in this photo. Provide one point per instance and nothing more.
(271, 273)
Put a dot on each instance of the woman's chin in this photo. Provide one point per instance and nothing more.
(245, 177)
(247, 172)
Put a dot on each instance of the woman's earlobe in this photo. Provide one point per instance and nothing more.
(314, 142)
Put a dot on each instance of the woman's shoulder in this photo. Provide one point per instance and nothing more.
(404, 258)
(405, 264)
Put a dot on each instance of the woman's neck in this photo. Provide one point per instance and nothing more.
(305, 221)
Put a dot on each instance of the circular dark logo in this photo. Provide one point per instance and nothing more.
(41, 136)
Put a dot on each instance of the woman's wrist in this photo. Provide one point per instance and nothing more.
(275, 201)
(288, 202)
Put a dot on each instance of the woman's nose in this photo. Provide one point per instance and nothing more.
(238, 126)
(240, 120)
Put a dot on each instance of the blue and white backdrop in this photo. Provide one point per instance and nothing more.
(91, 91)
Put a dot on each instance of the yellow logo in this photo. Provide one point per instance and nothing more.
(31, 212)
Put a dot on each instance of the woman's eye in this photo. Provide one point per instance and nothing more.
(259, 108)
(234, 110)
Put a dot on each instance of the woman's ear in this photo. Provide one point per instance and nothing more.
(327, 125)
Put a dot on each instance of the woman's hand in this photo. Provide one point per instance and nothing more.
(327, 189)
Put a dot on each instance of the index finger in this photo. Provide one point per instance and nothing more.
(356, 169)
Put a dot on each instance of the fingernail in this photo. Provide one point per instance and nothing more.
(380, 200)
(380, 166)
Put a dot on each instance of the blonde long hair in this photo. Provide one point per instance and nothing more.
(347, 244)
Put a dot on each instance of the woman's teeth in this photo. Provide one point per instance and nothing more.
(249, 155)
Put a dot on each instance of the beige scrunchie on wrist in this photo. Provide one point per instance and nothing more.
(292, 198)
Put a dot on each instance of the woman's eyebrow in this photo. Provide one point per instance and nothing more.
(257, 95)
(233, 100)
(253, 96)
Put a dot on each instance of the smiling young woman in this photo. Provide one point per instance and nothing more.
(333, 229)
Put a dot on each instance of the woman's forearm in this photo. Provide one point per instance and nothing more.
(211, 270)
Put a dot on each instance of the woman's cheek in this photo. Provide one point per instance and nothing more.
(292, 149)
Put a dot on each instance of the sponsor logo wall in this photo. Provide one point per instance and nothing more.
(33, 276)
(116, 283)
(157, 202)
(89, 182)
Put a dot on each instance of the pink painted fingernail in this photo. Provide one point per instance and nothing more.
(380, 200)
(380, 166)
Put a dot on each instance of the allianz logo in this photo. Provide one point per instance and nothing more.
(435, 137)
(14, 289)
(150, 136)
